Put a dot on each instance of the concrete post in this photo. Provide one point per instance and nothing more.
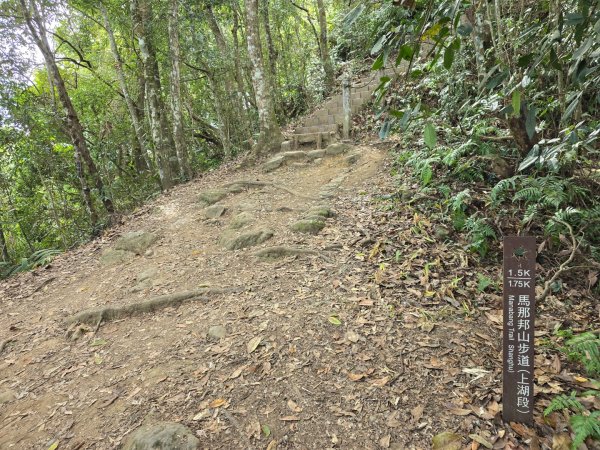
(346, 103)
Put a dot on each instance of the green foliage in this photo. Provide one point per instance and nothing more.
(484, 282)
(480, 234)
(585, 349)
(584, 424)
(562, 401)
(585, 427)
(36, 259)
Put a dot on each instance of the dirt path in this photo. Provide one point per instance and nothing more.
(91, 392)
(366, 341)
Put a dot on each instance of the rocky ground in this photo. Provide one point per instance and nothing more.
(293, 309)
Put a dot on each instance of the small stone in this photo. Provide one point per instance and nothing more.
(136, 242)
(147, 274)
(337, 149)
(322, 211)
(318, 161)
(162, 436)
(274, 163)
(315, 154)
(297, 155)
(112, 257)
(214, 211)
(217, 332)
(241, 220)
(211, 197)
(352, 159)
(7, 396)
(249, 239)
(308, 226)
(286, 146)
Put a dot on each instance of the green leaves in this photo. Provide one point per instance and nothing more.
(516, 103)
(430, 135)
(353, 15)
(449, 53)
(334, 321)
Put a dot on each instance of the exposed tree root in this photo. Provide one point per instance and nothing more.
(290, 191)
(282, 252)
(247, 183)
(251, 183)
(107, 313)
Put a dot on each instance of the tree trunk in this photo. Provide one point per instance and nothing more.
(38, 33)
(270, 137)
(142, 17)
(178, 131)
(324, 45)
(232, 112)
(136, 120)
(3, 246)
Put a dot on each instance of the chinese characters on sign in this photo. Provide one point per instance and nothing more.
(518, 335)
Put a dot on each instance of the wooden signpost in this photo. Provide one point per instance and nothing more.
(518, 333)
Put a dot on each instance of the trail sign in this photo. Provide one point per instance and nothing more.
(518, 331)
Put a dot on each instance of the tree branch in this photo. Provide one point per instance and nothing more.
(564, 267)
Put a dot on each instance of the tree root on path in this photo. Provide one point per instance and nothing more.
(107, 313)
(282, 252)
(4, 343)
(251, 183)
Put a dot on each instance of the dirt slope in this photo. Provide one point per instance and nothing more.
(91, 392)
(344, 347)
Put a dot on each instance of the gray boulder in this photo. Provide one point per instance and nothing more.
(274, 163)
(136, 242)
(214, 211)
(338, 148)
(231, 241)
(208, 198)
(308, 226)
(112, 257)
(162, 436)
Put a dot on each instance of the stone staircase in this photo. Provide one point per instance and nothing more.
(323, 126)
(320, 132)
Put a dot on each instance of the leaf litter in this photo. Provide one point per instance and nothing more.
(376, 346)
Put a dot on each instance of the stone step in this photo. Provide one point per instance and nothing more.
(322, 128)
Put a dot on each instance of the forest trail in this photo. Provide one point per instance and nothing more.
(312, 351)
(91, 392)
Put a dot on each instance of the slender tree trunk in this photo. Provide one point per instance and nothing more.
(178, 130)
(270, 137)
(142, 19)
(232, 112)
(324, 45)
(239, 77)
(133, 111)
(270, 46)
(3, 246)
(38, 32)
(273, 57)
(478, 33)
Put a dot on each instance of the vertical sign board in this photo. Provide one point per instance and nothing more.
(518, 332)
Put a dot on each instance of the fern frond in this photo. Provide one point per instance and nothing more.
(461, 200)
(502, 187)
(563, 401)
(585, 348)
(584, 427)
(529, 194)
